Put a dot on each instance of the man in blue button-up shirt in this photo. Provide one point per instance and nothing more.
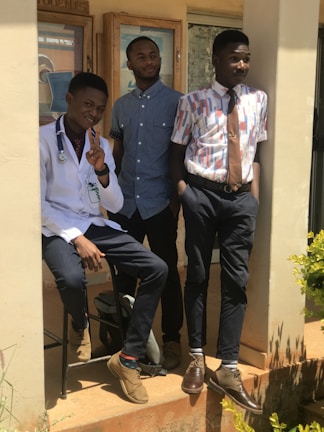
(142, 123)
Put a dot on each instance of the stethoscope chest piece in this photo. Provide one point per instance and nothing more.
(62, 156)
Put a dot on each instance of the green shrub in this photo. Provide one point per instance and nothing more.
(309, 273)
(241, 425)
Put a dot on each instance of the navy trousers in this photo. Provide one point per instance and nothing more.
(232, 217)
(161, 232)
(129, 256)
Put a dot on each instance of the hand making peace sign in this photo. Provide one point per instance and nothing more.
(95, 156)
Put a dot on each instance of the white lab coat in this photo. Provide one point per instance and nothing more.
(67, 205)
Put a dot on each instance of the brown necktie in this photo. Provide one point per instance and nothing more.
(234, 178)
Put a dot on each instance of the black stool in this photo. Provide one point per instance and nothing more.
(57, 341)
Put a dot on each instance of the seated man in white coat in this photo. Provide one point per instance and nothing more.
(77, 178)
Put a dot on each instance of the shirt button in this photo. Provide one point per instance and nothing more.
(138, 160)
(141, 124)
(163, 124)
(139, 142)
(148, 97)
(143, 106)
(137, 178)
(137, 196)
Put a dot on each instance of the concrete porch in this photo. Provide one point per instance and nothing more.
(95, 401)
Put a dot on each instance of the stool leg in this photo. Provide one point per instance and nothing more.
(65, 364)
(88, 313)
(64, 353)
(113, 275)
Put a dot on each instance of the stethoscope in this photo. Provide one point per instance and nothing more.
(61, 154)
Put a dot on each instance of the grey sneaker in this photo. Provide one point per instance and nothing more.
(129, 379)
(229, 382)
(80, 344)
(171, 352)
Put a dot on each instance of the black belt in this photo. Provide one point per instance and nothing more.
(202, 182)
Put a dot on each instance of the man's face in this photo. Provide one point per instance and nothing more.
(85, 108)
(145, 61)
(232, 64)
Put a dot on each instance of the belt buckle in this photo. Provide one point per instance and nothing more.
(228, 189)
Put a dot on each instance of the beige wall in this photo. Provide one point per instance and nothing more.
(283, 217)
(20, 262)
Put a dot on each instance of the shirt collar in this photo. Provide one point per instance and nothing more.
(221, 90)
(150, 92)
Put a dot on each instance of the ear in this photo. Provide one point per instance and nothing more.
(214, 60)
(129, 65)
(68, 97)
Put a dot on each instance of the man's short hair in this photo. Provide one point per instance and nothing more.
(227, 37)
(87, 79)
(139, 39)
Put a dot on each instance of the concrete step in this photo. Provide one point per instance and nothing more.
(101, 406)
(95, 401)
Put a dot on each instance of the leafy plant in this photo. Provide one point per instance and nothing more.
(276, 425)
(241, 425)
(6, 398)
(309, 272)
(6, 389)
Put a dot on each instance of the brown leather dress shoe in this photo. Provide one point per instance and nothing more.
(229, 382)
(193, 380)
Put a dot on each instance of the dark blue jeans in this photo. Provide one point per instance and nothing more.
(232, 217)
(129, 256)
(161, 232)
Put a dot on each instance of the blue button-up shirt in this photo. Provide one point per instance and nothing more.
(143, 121)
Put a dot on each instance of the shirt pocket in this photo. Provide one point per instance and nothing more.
(162, 131)
(163, 125)
(120, 123)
